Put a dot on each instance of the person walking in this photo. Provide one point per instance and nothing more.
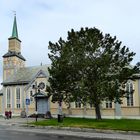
(6, 115)
(10, 114)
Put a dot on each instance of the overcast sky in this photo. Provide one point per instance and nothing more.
(41, 21)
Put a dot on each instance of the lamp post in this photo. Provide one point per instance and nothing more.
(35, 97)
(36, 109)
(36, 113)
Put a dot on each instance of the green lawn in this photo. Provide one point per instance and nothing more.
(121, 124)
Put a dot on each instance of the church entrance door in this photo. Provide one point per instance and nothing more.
(42, 105)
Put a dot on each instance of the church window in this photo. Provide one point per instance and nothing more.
(8, 98)
(108, 104)
(91, 105)
(78, 103)
(129, 90)
(18, 97)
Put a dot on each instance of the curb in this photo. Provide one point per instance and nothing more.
(73, 129)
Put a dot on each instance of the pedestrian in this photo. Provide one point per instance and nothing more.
(10, 114)
(6, 115)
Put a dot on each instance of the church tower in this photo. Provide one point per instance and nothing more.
(13, 60)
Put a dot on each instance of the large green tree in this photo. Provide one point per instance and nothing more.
(89, 67)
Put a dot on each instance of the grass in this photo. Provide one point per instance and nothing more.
(110, 124)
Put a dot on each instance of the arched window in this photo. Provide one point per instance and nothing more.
(129, 90)
(8, 98)
(17, 97)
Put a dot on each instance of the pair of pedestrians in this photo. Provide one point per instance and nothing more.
(8, 114)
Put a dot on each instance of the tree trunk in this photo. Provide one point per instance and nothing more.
(97, 111)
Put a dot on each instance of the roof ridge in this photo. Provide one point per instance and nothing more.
(38, 66)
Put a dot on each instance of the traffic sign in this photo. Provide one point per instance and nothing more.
(27, 101)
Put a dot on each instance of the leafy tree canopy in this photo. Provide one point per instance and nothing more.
(89, 67)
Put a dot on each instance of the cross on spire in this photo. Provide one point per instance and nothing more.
(14, 13)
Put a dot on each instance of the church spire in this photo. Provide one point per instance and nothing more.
(14, 31)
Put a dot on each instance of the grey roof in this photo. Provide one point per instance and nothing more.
(40, 94)
(25, 75)
(10, 53)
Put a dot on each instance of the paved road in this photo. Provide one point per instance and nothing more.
(10, 129)
(16, 135)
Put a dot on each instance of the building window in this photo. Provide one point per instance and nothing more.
(17, 97)
(8, 98)
(108, 104)
(129, 90)
(91, 105)
(78, 103)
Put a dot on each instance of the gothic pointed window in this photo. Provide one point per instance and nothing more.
(18, 97)
(129, 93)
(8, 98)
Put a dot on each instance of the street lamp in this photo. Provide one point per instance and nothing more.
(36, 109)
(35, 87)
(36, 98)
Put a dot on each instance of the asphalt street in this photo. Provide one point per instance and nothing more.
(13, 129)
(16, 135)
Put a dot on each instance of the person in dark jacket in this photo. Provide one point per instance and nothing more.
(6, 115)
(10, 114)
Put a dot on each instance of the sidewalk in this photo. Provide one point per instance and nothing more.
(19, 124)
(15, 121)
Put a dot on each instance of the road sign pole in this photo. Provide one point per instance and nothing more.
(27, 113)
(27, 103)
